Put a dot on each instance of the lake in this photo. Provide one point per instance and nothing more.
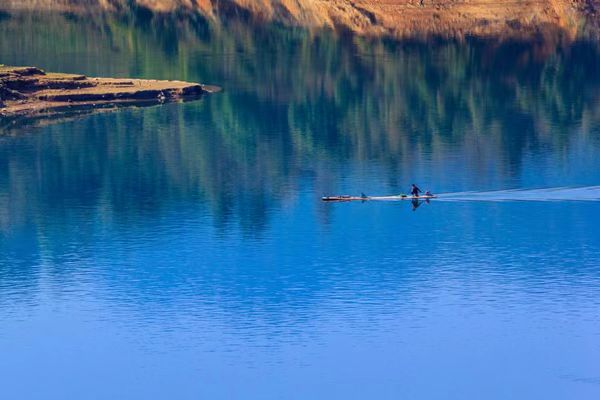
(182, 250)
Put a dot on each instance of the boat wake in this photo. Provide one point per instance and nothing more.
(586, 193)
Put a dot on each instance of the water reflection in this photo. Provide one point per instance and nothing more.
(190, 238)
(302, 114)
(298, 107)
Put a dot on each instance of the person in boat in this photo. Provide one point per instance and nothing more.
(428, 193)
(415, 190)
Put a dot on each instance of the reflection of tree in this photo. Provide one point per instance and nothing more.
(295, 103)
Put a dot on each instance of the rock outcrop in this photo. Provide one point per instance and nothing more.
(31, 92)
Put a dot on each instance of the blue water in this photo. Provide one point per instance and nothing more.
(182, 251)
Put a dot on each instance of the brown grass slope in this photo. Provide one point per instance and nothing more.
(401, 18)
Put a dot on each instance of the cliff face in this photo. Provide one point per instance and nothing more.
(400, 18)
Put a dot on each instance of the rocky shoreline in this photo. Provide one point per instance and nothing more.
(29, 92)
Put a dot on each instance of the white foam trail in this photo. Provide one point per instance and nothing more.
(585, 193)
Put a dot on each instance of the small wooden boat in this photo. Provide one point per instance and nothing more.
(380, 198)
(344, 198)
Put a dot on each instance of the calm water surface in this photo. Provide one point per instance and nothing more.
(181, 251)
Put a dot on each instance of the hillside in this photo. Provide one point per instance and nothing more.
(400, 18)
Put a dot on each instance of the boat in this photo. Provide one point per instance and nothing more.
(381, 198)
(344, 198)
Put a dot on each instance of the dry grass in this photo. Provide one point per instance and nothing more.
(396, 17)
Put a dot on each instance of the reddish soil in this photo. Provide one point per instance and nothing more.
(403, 18)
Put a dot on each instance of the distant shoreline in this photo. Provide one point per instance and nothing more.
(29, 92)
(401, 19)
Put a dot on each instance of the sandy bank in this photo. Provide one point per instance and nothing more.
(32, 93)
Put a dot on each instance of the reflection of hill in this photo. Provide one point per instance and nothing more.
(295, 104)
